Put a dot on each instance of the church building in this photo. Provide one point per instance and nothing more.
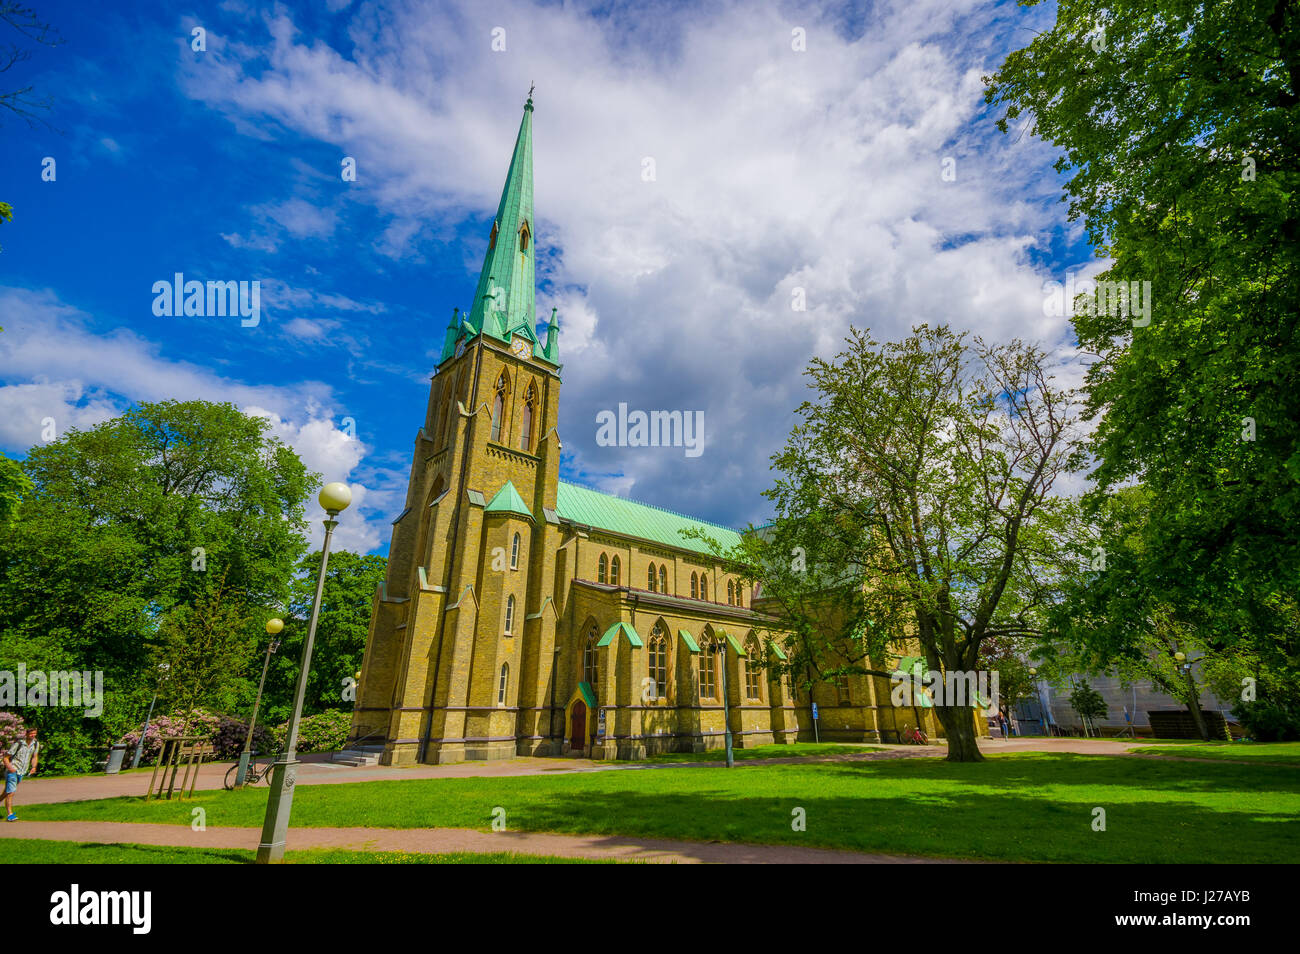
(526, 615)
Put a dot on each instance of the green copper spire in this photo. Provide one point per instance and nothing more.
(552, 350)
(506, 296)
(449, 339)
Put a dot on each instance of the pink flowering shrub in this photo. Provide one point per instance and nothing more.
(324, 732)
(12, 728)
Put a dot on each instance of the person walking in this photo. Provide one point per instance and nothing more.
(20, 761)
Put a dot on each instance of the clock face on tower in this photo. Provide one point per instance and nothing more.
(519, 346)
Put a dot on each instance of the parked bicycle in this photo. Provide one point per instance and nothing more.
(257, 772)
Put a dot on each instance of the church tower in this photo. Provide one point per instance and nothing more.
(459, 662)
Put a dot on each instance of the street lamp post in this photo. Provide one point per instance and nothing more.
(726, 707)
(273, 628)
(139, 745)
(334, 498)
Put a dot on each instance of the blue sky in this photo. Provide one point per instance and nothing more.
(779, 174)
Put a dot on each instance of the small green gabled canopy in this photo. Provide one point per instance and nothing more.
(626, 628)
(588, 694)
(775, 647)
(732, 639)
(691, 644)
(507, 500)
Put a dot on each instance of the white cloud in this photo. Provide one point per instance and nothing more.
(775, 170)
(79, 378)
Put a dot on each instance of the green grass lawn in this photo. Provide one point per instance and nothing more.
(794, 750)
(1284, 752)
(36, 851)
(1022, 807)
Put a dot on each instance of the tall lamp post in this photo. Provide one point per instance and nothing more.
(726, 707)
(334, 498)
(139, 745)
(273, 629)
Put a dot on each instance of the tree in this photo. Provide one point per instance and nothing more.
(207, 646)
(1088, 703)
(917, 490)
(31, 27)
(133, 519)
(341, 632)
(14, 484)
(1177, 125)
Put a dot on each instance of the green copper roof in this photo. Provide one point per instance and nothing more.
(732, 639)
(626, 517)
(506, 295)
(507, 500)
(691, 644)
(624, 628)
(588, 694)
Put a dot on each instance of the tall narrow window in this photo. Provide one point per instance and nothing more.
(658, 662)
(731, 594)
(602, 569)
(504, 685)
(526, 421)
(739, 599)
(650, 578)
(753, 678)
(695, 586)
(613, 571)
(590, 663)
(708, 668)
(514, 553)
(704, 587)
(510, 614)
(523, 238)
(842, 690)
(663, 579)
(498, 407)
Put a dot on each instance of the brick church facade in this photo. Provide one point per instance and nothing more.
(525, 615)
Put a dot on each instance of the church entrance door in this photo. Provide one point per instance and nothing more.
(579, 738)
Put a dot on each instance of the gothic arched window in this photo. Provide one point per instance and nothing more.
(650, 578)
(613, 571)
(504, 685)
(731, 594)
(602, 569)
(524, 235)
(658, 662)
(704, 587)
(753, 679)
(590, 661)
(514, 553)
(510, 614)
(695, 586)
(526, 420)
(708, 668)
(663, 578)
(498, 407)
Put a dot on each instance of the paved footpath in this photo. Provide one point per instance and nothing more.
(444, 840)
(318, 770)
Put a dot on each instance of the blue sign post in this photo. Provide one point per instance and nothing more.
(816, 735)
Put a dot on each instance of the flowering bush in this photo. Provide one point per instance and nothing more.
(200, 723)
(323, 732)
(231, 733)
(11, 728)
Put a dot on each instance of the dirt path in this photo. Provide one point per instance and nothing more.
(443, 840)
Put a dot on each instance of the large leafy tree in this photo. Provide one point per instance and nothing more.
(341, 631)
(917, 489)
(1179, 129)
(130, 520)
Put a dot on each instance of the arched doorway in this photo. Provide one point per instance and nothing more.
(578, 734)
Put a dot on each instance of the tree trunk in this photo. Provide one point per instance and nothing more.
(959, 727)
(1194, 705)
